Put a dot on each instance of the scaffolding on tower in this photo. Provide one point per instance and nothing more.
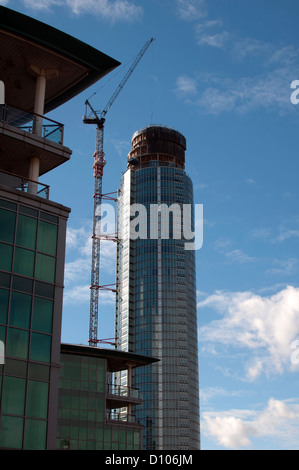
(98, 118)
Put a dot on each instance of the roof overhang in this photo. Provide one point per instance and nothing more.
(117, 360)
(28, 45)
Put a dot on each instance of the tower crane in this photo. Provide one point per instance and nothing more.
(98, 118)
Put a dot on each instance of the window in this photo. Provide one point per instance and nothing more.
(42, 315)
(47, 238)
(5, 256)
(40, 350)
(11, 432)
(20, 310)
(26, 232)
(4, 294)
(17, 343)
(22, 284)
(45, 267)
(7, 225)
(37, 399)
(35, 434)
(14, 396)
(24, 262)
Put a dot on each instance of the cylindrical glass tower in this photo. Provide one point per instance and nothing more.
(156, 300)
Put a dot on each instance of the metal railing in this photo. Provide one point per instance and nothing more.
(24, 184)
(32, 123)
(123, 391)
(120, 416)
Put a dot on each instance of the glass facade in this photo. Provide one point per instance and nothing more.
(30, 316)
(156, 308)
(83, 419)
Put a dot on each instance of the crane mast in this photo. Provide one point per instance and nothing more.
(98, 118)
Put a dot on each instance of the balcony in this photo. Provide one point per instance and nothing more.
(122, 417)
(24, 184)
(32, 123)
(118, 396)
(25, 135)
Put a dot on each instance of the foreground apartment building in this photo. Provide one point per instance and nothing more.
(40, 69)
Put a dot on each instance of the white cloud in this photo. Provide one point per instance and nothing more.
(223, 247)
(206, 34)
(235, 429)
(286, 234)
(287, 230)
(214, 40)
(286, 267)
(41, 4)
(190, 10)
(238, 256)
(264, 326)
(116, 10)
(242, 48)
(209, 393)
(268, 91)
(111, 10)
(186, 86)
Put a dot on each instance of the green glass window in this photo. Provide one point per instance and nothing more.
(17, 343)
(22, 284)
(7, 204)
(40, 350)
(28, 211)
(39, 371)
(136, 439)
(14, 396)
(24, 262)
(4, 294)
(44, 290)
(47, 238)
(20, 310)
(15, 367)
(26, 231)
(49, 217)
(45, 267)
(37, 399)
(42, 315)
(11, 432)
(5, 256)
(100, 408)
(4, 279)
(35, 434)
(7, 225)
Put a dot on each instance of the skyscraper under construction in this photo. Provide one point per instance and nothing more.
(156, 300)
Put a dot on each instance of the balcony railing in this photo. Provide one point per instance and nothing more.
(121, 416)
(24, 184)
(32, 123)
(123, 391)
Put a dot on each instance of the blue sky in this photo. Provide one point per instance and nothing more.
(220, 72)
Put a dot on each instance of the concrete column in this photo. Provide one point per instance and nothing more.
(39, 102)
(40, 92)
(42, 75)
(33, 175)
